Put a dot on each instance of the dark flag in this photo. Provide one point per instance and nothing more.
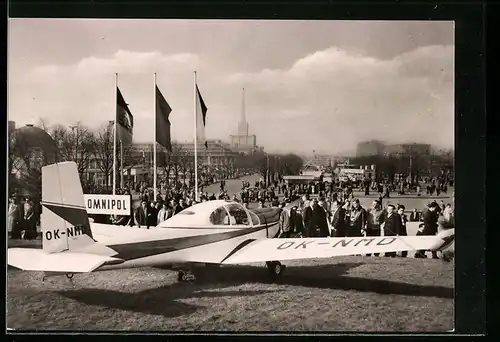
(162, 122)
(201, 114)
(124, 120)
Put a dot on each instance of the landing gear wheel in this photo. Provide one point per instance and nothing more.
(185, 276)
(69, 276)
(275, 268)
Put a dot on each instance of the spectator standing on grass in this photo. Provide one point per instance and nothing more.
(307, 213)
(447, 220)
(392, 225)
(164, 214)
(357, 220)
(375, 218)
(29, 220)
(324, 219)
(14, 218)
(143, 214)
(338, 220)
(430, 217)
(403, 231)
(284, 223)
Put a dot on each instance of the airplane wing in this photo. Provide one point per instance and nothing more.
(30, 259)
(308, 248)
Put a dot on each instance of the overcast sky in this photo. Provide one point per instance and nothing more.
(322, 85)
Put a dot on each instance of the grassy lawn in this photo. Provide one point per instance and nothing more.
(347, 293)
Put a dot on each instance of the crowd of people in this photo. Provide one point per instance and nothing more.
(320, 217)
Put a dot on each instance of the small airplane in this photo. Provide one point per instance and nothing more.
(215, 232)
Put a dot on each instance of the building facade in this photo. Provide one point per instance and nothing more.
(370, 148)
(243, 142)
(377, 148)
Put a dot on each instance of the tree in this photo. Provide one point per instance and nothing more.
(291, 164)
(172, 162)
(103, 151)
(126, 153)
(75, 144)
(176, 160)
(25, 161)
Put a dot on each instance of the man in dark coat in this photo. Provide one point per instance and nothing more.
(414, 216)
(176, 208)
(392, 225)
(143, 214)
(320, 217)
(338, 220)
(430, 218)
(307, 213)
(357, 220)
(375, 217)
(403, 231)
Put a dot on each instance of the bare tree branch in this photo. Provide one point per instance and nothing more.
(103, 151)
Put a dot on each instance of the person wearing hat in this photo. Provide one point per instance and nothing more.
(29, 219)
(430, 218)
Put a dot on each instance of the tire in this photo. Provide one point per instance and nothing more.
(180, 276)
(275, 268)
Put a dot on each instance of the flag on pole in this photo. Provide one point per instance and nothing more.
(201, 114)
(162, 122)
(124, 120)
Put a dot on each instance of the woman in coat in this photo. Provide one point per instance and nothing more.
(14, 212)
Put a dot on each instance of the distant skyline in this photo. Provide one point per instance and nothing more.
(309, 85)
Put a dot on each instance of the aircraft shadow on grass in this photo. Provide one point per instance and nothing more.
(158, 301)
(164, 300)
(325, 277)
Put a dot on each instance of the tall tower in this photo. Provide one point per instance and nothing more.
(243, 125)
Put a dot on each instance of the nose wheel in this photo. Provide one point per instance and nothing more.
(275, 268)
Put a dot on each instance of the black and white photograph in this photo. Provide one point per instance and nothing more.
(182, 175)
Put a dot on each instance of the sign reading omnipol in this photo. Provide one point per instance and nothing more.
(108, 204)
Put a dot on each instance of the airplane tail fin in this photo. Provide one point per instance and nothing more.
(68, 245)
(65, 223)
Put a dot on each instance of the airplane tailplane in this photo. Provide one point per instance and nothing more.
(65, 224)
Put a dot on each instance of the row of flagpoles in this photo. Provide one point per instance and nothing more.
(124, 127)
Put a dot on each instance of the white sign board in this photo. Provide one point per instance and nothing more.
(108, 204)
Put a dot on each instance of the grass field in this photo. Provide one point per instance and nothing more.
(347, 293)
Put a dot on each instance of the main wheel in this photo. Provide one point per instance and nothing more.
(275, 268)
(186, 276)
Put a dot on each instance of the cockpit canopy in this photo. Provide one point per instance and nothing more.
(213, 213)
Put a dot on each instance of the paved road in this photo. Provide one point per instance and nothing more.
(233, 186)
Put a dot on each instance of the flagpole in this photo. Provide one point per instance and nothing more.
(114, 134)
(195, 144)
(121, 163)
(154, 138)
